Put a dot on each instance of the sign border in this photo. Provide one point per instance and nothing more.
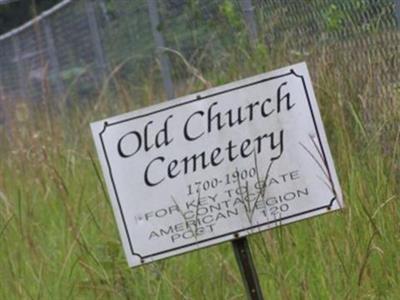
(235, 233)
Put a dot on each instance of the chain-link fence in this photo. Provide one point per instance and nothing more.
(74, 46)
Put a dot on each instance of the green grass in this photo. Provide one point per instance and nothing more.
(59, 238)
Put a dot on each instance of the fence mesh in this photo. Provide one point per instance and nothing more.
(78, 43)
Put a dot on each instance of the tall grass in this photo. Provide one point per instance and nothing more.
(58, 235)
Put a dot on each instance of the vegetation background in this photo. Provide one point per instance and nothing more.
(57, 231)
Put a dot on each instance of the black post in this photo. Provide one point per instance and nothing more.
(247, 268)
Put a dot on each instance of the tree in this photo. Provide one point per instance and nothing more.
(16, 13)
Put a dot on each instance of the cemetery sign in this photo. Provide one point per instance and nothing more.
(216, 165)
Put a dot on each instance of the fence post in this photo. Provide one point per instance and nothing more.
(250, 19)
(160, 44)
(52, 53)
(397, 11)
(1, 75)
(100, 58)
(22, 91)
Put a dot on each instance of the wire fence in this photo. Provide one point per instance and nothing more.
(74, 46)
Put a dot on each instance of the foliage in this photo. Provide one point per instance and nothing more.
(369, 15)
(334, 18)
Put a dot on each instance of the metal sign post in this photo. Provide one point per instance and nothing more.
(247, 268)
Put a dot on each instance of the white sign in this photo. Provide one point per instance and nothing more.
(210, 167)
